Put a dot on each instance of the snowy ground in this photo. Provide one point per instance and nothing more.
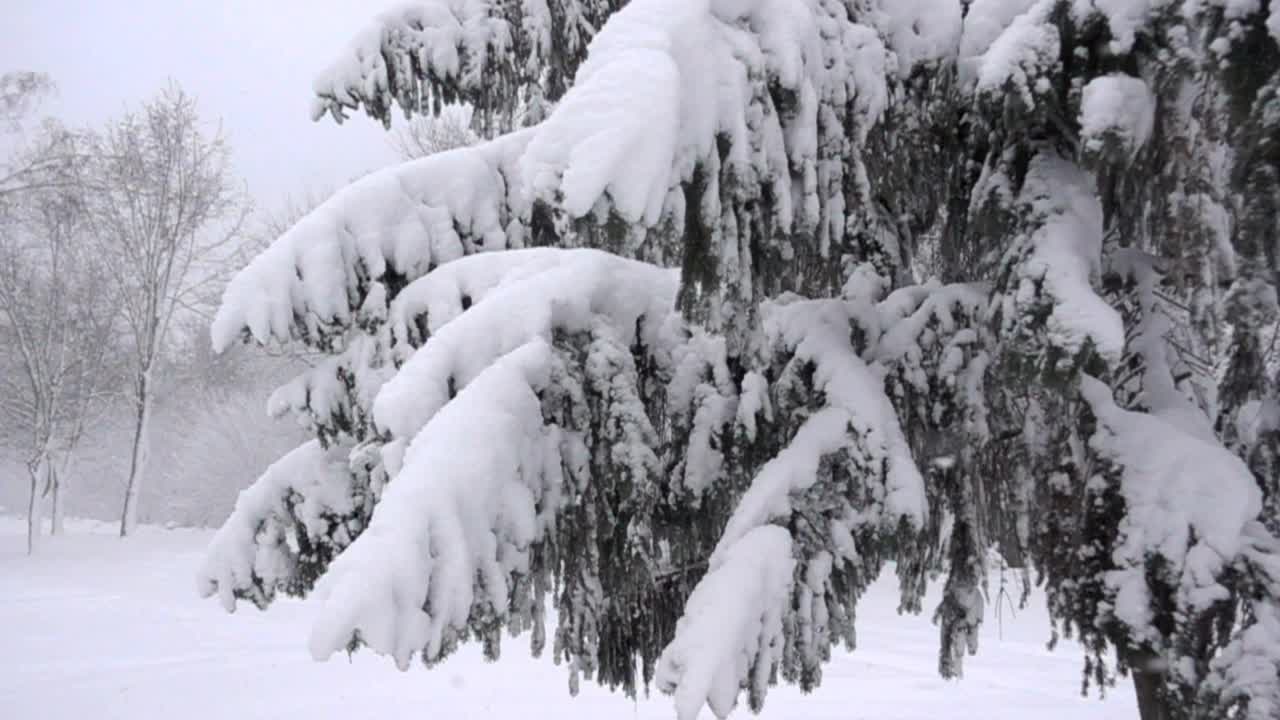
(95, 627)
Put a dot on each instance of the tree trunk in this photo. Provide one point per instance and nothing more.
(1148, 679)
(33, 511)
(55, 489)
(138, 459)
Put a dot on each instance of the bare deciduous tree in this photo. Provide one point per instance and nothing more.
(168, 214)
(429, 134)
(23, 169)
(55, 327)
(20, 91)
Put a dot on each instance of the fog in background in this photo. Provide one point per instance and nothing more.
(248, 62)
(249, 66)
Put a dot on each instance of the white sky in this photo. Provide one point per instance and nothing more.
(248, 62)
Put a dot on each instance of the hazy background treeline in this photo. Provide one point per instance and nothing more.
(115, 244)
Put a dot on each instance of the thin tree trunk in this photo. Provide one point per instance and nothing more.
(55, 489)
(1148, 679)
(33, 511)
(138, 459)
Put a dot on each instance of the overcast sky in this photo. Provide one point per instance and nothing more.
(248, 62)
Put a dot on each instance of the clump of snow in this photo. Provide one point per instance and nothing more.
(254, 551)
(403, 220)
(701, 389)
(731, 634)
(1157, 392)
(1019, 59)
(1065, 258)
(929, 336)
(617, 130)
(1256, 418)
(1118, 109)
(1188, 500)
(920, 31)
(984, 23)
(753, 403)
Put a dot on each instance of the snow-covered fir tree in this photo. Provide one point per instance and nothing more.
(746, 299)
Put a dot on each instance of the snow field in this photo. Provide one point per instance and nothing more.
(104, 628)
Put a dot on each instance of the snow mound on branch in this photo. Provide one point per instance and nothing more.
(250, 554)
(664, 82)
(448, 40)
(453, 521)
(1120, 107)
(568, 290)
(617, 129)
(664, 79)
(402, 220)
(1188, 499)
(438, 297)
(1066, 257)
(1018, 58)
(731, 634)
(920, 31)
(985, 22)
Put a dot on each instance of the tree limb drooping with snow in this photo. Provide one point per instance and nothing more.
(678, 335)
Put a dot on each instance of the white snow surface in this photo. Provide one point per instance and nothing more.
(110, 629)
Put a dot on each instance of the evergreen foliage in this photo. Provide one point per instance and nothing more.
(765, 295)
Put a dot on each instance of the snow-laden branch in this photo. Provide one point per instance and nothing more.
(1191, 529)
(1168, 474)
(391, 226)
(409, 582)
(454, 526)
(1058, 262)
(857, 416)
(278, 534)
(732, 634)
(427, 304)
(429, 51)
(546, 290)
